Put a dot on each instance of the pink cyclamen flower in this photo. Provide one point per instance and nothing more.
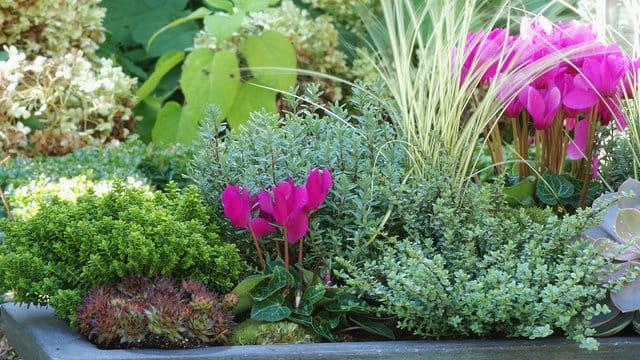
(238, 205)
(317, 186)
(541, 104)
(287, 208)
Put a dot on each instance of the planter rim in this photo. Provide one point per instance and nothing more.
(36, 333)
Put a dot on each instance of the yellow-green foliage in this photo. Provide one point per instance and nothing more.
(52, 27)
(251, 332)
(69, 248)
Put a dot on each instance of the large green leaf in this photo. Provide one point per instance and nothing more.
(271, 309)
(250, 98)
(222, 26)
(552, 188)
(197, 14)
(272, 60)
(255, 5)
(166, 126)
(165, 63)
(148, 109)
(207, 78)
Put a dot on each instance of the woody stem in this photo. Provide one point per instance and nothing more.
(286, 249)
(258, 248)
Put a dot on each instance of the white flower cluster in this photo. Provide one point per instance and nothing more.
(52, 27)
(315, 39)
(66, 94)
(25, 200)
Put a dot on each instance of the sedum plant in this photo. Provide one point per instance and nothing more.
(52, 27)
(69, 248)
(618, 238)
(481, 268)
(160, 312)
(54, 105)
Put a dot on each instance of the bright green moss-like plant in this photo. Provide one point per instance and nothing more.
(482, 268)
(67, 248)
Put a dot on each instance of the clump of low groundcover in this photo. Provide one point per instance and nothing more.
(359, 149)
(482, 268)
(69, 248)
(159, 312)
(252, 332)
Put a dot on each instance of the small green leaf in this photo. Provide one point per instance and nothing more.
(343, 303)
(374, 327)
(250, 282)
(307, 276)
(313, 294)
(197, 14)
(165, 63)
(280, 278)
(254, 5)
(33, 123)
(552, 188)
(222, 26)
(270, 310)
(521, 193)
(166, 126)
(225, 5)
(272, 60)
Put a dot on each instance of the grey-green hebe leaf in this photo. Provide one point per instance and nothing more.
(272, 59)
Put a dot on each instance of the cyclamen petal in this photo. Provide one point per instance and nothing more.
(266, 202)
(236, 205)
(317, 188)
(298, 226)
(578, 145)
(261, 227)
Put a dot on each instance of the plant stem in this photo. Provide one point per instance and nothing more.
(258, 248)
(586, 166)
(286, 249)
(300, 247)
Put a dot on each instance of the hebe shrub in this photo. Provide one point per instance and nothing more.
(482, 268)
(67, 248)
(360, 149)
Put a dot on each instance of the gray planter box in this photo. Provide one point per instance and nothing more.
(36, 334)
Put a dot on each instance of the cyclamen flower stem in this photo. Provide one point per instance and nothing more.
(586, 166)
(300, 247)
(258, 248)
(286, 249)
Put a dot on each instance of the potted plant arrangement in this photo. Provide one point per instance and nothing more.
(474, 182)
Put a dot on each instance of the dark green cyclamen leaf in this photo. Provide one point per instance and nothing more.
(552, 188)
(280, 278)
(374, 327)
(343, 303)
(304, 320)
(250, 282)
(323, 328)
(307, 276)
(520, 193)
(271, 310)
(313, 294)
